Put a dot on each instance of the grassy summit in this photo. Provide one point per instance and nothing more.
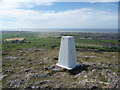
(26, 65)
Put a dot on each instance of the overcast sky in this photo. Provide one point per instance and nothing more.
(17, 14)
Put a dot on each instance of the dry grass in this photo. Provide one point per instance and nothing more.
(37, 57)
(12, 39)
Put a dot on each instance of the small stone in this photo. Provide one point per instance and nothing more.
(14, 83)
(46, 86)
(37, 87)
(2, 77)
(52, 67)
(94, 70)
(47, 74)
(9, 70)
(58, 86)
(33, 87)
(27, 70)
(45, 58)
(85, 76)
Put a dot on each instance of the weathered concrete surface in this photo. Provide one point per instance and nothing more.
(67, 54)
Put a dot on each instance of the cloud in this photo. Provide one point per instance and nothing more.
(91, 0)
(13, 15)
(31, 3)
(60, 0)
(5, 4)
(22, 4)
(79, 18)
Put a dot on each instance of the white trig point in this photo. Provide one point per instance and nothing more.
(67, 54)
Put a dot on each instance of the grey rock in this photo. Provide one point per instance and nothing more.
(112, 85)
(109, 79)
(40, 63)
(52, 67)
(15, 83)
(58, 86)
(37, 87)
(14, 58)
(46, 86)
(33, 87)
(47, 74)
(45, 59)
(2, 77)
(39, 49)
(94, 70)
(8, 70)
(11, 57)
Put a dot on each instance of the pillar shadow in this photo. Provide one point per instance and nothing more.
(78, 69)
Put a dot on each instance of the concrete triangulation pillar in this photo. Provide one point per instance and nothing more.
(67, 54)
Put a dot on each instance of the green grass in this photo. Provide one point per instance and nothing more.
(18, 34)
(102, 78)
(50, 42)
(0, 47)
(110, 41)
(88, 41)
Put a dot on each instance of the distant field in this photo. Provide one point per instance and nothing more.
(110, 41)
(52, 40)
(34, 42)
(15, 34)
(91, 45)
(89, 42)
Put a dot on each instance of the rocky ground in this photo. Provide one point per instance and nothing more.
(31, 68)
